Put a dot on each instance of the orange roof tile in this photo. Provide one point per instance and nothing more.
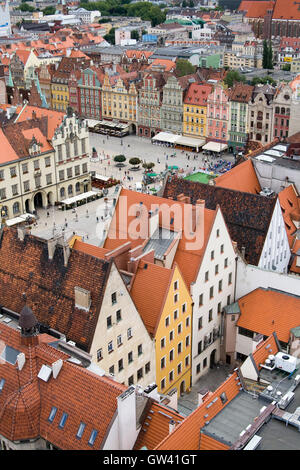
(148, 292)
(7, 153)
(156, 426)
(290, 205)
(168, 65)
(294, 268)
(186, 435)
(36, 132)
(55, 118)
(197, 94)
(120, 230)
(261, 353)
(241, 178)
(286, 10)
(23, 55)
(92, 250)
(267, 310)
(209, 443)
(256, 9)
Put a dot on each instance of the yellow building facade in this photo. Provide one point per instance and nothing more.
(119, 101)
(173, 338)
(59, 96)
(195, 110)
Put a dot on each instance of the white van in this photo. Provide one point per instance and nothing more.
(138, 186)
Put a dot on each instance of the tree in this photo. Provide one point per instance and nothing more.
(265, 54)
(135, 162)
(191, 4)
(120, 159)
(25, 7)
(49, 10)
(263, 80)
(184, 67)
(270, 56)
(110, 37)
(233, 76)
(184, 4)
(135, 34)
(286, 67)
(148, 165)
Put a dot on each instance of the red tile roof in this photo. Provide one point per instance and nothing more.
(267, 310)
(50, 286)
(186, 435)
(256, 8)
(197, 94)
(289, 201)
(261, 353)
(241, 178)
(121, 226)
(26, 400)
(286, 10)
(156, 426)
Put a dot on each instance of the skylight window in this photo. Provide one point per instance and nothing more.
(2, 382)
(10, 355)
(92, 439)
(80, 430)
(52, 414)
(63, 420)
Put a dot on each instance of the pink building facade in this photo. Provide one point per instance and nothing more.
(217, 115)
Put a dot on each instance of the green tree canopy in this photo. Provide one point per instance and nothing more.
(110, 37)
(135, 161)
(135, 34)
(120, 158)
(184, 67)
(50, 10)
(263, 80)
(233, 76)
(25, 7)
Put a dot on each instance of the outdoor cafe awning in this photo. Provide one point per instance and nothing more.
(19, 219)
(214, 146)
(165, 137)
(80, 197)
(190, 142)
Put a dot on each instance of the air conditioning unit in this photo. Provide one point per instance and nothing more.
(285, 362)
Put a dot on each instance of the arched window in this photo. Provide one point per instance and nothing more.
(4, 211)
(277, 110)
(16, 208)
(77, 187)
(282, 110)
(70, 189)
(62, 192)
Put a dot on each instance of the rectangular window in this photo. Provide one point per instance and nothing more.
(52, 413)
(2, 193)
(108, 322)
(175, 285)
(220, 286)
(140, 374)
(80, 430)
(200, 300)
(184, 307)
(120, 365)
(175, 314)
(147, 368)
(179, 368)
(206, 276)
(212, 255)
(219, 307)
(99, 354)
(36, 164)
(200, 323)
(162, 343)
(111, 370)
(187, 322)
(171, 336)
(140, 349)
(118, 316)
(13, 171)
(167, 321)
(171, 355)
(216, 269)
(130, 357)
(69, 172)
(222, 249)
(175, 298)
(187, 361)
(25, 168)
(110, 347)
(210, 314)
(130, 380)
(129, 333)
(61, 175)
(171, 376)
(163, 363)
(84, 168)
(14, 189)
(179, 328)
(226, 263)
(205, 363)
(77, 170)
(63, 420)
(92, 438)
(230, 279)
(187, 341)
(163, 384)
(199, 347)
(114, 298)
(211, 292)
(47, 161)
(228, 300)
(119, 340)
(179, 348)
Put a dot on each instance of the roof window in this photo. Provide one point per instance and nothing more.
(63, 420)
(80, 430)
(52, 414)
(93, 436)
(2, 382)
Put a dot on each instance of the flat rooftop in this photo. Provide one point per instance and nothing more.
(227, 425)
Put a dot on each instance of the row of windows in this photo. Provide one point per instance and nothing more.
(61, 173)
(25, 168)
(81, 427)
(171, 373)
(163, 361)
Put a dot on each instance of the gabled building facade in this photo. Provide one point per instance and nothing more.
(149, 104)
(238, 124)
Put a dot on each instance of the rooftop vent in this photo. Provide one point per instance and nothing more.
(44, 373)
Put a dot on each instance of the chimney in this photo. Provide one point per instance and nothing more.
(66, 251)
(21, 233)
(126, 404)
(153, 222)
(51, 247)
(172, 425)
(243, 251)
(234, 244)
